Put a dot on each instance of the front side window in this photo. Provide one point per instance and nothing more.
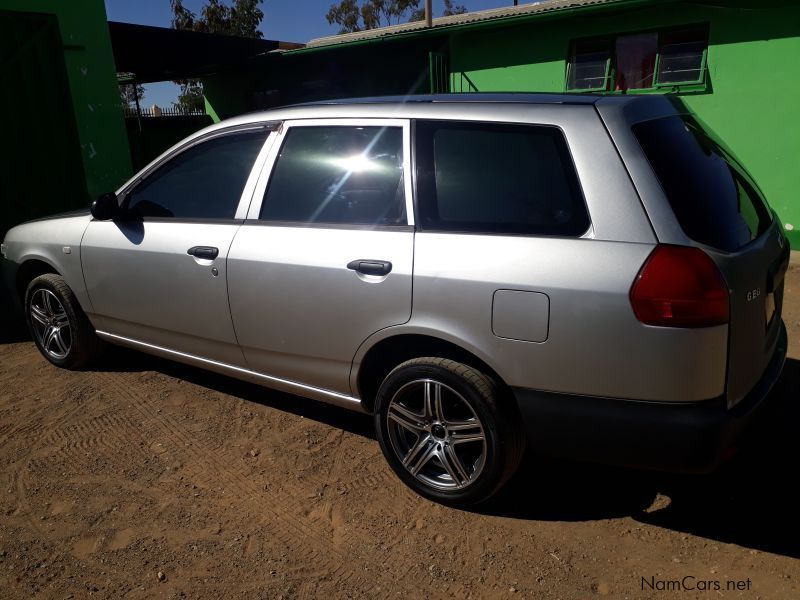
(338, 175)
(203, 182)
(497, 178)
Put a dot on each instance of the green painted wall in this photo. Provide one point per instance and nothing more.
(752, 100)
(89, 62)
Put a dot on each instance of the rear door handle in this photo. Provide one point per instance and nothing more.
(207, 252)
(370, 267)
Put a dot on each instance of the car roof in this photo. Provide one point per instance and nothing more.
(506, 97)
(467, 106)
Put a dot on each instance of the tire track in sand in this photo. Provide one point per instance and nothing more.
(208, 467)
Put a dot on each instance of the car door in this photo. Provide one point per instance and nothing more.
(324, 258)
(157, 274)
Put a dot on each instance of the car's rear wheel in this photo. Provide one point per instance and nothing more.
(447, 430)
(58, 325)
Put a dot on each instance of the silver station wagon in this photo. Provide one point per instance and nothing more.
(590, 277)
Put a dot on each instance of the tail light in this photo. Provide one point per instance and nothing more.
(680, 287)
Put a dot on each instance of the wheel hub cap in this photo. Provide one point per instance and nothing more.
(439, 432)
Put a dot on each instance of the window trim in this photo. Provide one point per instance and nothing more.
(269, 164)
(703, 63)
(587, 233)
(609, 67)
(241, 208)
(699, 84)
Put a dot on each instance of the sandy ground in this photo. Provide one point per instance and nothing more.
(143, 478)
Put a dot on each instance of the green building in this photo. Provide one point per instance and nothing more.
(63, 135)
(734, 63)
(64, 138)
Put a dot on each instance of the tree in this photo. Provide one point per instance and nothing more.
(129, 93)
(450, 9)
(241, 18)
(370, 14)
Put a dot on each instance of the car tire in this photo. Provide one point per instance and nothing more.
(450, 432)
(59, 327)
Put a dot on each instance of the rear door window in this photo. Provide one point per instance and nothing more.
(347, 175)
(713, 198)
(497, 178)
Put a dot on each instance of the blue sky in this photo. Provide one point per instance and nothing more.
(286, 20)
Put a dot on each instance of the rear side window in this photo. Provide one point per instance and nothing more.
(203, 182)
(714, 200)
(338, 175)
(497, 178)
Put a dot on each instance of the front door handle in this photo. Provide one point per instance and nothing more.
(207, 252)
(370, 267)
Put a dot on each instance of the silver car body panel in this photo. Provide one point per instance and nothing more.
(595, 344)
(285, 311)
(55, 242)
(143, 284)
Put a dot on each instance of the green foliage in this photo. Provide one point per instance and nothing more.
(191, 97)
(352, 15)
(129, 93)
(453, 9)
(240, 18)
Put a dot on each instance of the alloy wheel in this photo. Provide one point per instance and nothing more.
(436, 435)
(50, 324)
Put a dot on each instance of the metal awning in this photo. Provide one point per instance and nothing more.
(163, 54)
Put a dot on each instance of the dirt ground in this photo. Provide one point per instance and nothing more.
(143, 478)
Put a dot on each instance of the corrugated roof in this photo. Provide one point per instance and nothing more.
(466, 18)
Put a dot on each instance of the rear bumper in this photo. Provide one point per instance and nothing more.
(690, 437)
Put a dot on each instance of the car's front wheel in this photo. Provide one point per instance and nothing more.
(58, 325)
(447, 430)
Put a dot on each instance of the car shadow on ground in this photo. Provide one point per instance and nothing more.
(118, 359)
(750, 501)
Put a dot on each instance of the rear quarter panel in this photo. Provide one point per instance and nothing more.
(595, 345)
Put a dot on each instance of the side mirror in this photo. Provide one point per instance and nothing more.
(105, 207)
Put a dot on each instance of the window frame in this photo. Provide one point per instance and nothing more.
(699, 84)
(269, 127)
(268, 169)
(419, 185)
(703, 61)
(609, 63)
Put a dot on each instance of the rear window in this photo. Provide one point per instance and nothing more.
(714, 200)
(497, 178)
